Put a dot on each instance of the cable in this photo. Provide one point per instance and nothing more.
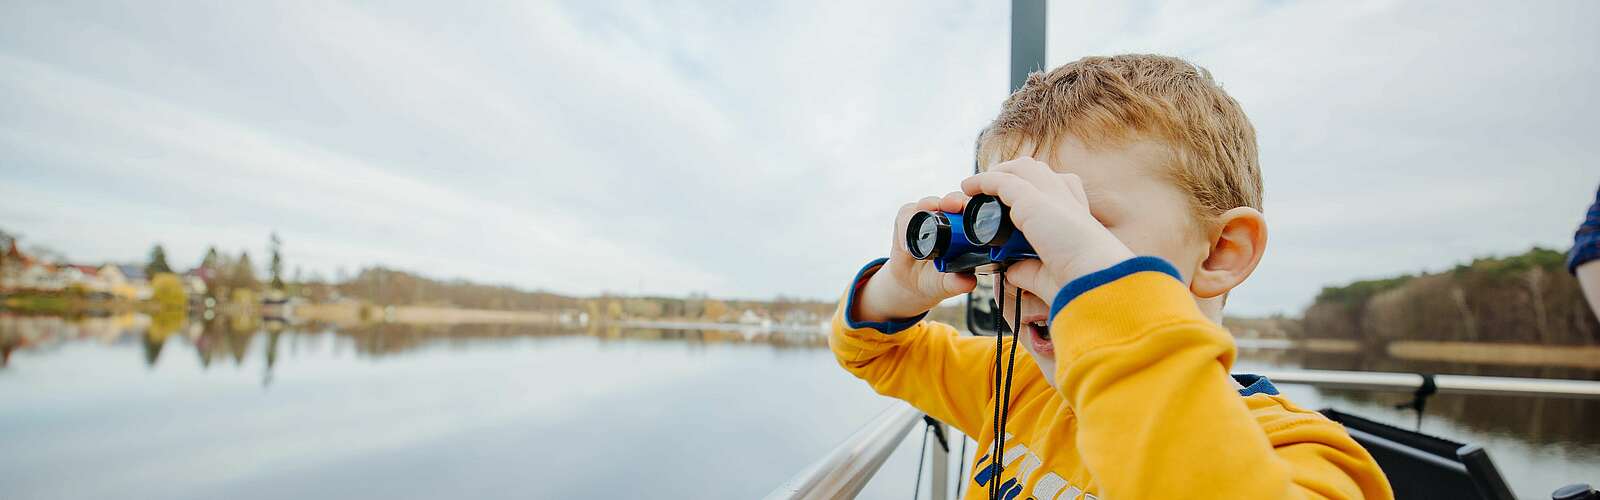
(1011, 364)
(961, 467)
(999, 432)
(1002, 404)
(916, 488)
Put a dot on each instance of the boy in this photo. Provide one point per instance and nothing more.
(1135, 179)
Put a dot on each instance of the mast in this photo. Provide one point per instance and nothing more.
(1027, 40)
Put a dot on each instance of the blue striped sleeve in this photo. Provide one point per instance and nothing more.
(889, 327)
(1092, 280)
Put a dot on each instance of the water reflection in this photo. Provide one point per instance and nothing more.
(229, 338)
(679, 379)
(1537, 420)
(357, 411)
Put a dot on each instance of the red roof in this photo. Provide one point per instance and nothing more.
(86, 269)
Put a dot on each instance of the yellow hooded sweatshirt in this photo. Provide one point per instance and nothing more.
(1143, 411)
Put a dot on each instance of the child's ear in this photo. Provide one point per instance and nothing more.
(1235, 250)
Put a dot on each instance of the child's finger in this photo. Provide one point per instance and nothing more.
(928, 203)
(954, 202)
(1075, 185)
(1011, 189)
(1033, 171)
(898, 245)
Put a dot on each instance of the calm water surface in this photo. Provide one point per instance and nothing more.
(130, 408)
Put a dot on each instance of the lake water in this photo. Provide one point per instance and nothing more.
(129, 408)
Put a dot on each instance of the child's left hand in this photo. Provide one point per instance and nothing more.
(1053, 211)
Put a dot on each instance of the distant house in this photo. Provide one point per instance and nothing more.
(23, 272)
(800, 317)
(33, 275)
(750, 317)
(132, 272)
(81, 275)
(137, 285)
(12, 266)
(106, 281)
(38, 276)
(194, 282)
(111, 277)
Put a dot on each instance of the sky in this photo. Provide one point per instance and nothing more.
(749, 149)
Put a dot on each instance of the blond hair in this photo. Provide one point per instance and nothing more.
(1107, 101)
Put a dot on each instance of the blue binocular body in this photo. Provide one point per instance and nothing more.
(961, 254)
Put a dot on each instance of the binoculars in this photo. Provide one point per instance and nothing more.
(982, 234)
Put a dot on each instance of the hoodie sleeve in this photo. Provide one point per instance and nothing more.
(1147, 376)
(927, 364)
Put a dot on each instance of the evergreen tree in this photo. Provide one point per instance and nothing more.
(158, 262)
(276, 267)
(211, 273)
(243, 274)
(212, 260)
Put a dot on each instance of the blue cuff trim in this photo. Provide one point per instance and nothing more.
(1095, 279)
(1254, 384)
(887, 327)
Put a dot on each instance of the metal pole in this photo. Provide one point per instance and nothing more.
(940, 476)
(1458, 384)
(1027, 40)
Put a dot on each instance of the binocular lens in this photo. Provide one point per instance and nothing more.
(987, 220)
(927, 234)
(987, 223)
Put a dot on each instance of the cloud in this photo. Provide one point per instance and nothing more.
(746, 149)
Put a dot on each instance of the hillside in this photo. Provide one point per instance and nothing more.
(1527, 298)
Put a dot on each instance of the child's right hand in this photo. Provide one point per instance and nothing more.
(905, 287)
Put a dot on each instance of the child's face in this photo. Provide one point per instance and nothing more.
(1131, 193)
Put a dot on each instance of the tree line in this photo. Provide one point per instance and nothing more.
(229, 276)
(233, 277)
(384, 286)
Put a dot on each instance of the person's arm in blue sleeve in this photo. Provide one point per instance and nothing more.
(1584, 259)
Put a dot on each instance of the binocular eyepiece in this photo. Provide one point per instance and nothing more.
(980, 235)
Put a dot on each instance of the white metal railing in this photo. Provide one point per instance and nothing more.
(845, 470)
(1460, 384)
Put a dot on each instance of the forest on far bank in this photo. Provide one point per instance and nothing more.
(1527, 298)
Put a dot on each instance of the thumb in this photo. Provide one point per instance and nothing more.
(954, 284)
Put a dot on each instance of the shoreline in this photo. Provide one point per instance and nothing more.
(1493, 353)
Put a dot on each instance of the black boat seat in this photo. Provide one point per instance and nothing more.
(1421, 467)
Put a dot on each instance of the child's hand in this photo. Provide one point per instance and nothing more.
(905, 287)
(1053, 211)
